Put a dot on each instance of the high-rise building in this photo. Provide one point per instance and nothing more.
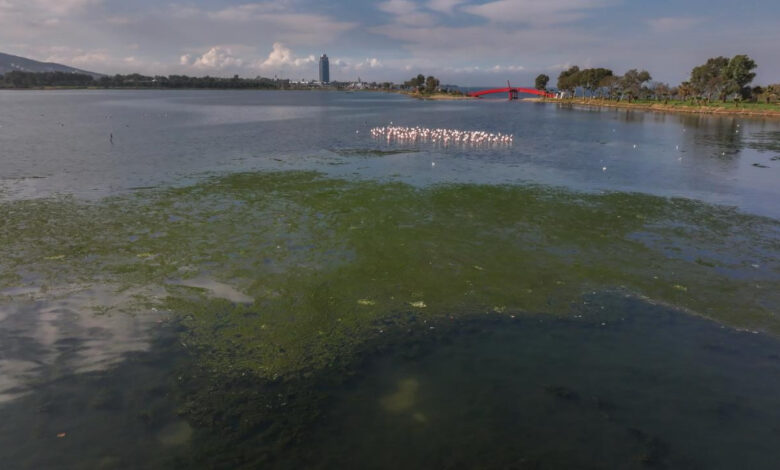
(324, 69)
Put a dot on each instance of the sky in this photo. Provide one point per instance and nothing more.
(464, 42)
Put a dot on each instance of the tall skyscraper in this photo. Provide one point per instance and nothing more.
(324, 69)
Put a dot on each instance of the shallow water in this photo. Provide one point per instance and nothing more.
(245, 278)
(630, 386)
(58, 142)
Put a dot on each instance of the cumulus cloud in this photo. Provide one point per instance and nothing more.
(388, 40)
(371, 63)
(282, 56)
(216, 58)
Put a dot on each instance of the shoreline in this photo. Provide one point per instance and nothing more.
(435, 96)
(673, 107)
(666, 108)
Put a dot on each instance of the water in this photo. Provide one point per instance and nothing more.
(248, 278)
(59, 143)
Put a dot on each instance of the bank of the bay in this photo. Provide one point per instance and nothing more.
(753, 110)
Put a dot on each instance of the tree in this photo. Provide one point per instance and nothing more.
(738, 74)
(721, 77)
(772, 92)
(591, 79)
(431, 84)
(610, 84)
(541, 82)
(708, 79)
(632, 81)
(661, 91)
(567, 80)
(685, 90)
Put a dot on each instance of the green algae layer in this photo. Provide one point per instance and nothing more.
(282, 274)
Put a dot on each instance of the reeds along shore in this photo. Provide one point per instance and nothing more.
(730, 108)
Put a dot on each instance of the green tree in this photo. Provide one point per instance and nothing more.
(685, 90)
(737, 75)
(708, 79)
(541, 82)
(431, 84)
(661, 91)
(610, 84)
(568, 80)
(591, 79)
(632, 81)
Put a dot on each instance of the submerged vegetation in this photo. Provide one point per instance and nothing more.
(330, 263)
(284, 287)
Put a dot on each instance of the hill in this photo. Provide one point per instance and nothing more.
(9, 63)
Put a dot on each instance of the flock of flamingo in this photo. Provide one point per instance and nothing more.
(441, 136)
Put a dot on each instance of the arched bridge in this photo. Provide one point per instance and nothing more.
(512, 92)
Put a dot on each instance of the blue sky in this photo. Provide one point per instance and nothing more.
(467, 42)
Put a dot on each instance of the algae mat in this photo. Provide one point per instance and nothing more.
(331, 263)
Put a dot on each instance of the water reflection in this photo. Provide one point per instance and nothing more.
(48, 335)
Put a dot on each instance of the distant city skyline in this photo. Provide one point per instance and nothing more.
(468, 42)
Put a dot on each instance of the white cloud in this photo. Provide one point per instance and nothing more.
(59, 6)
(282, 56)
(534, 11)
(477, 69)
(279, 19)
(247, 12)
(44, 8)
(673, 24)
(372, 63)
(216, 58)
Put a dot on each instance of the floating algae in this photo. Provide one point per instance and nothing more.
(403, 398)
(330, 263)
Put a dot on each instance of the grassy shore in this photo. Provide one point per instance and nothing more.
(436, 96)
(728, 108)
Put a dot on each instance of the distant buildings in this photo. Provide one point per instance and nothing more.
(324, 69)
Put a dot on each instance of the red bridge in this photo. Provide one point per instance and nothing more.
(512, 91)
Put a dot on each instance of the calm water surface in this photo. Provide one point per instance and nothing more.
(245, 279)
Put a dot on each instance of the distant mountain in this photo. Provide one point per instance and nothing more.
(9, 63)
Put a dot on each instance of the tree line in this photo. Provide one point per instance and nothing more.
(428, 85)
(421, 84)
(18, 79)
(719, 78)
